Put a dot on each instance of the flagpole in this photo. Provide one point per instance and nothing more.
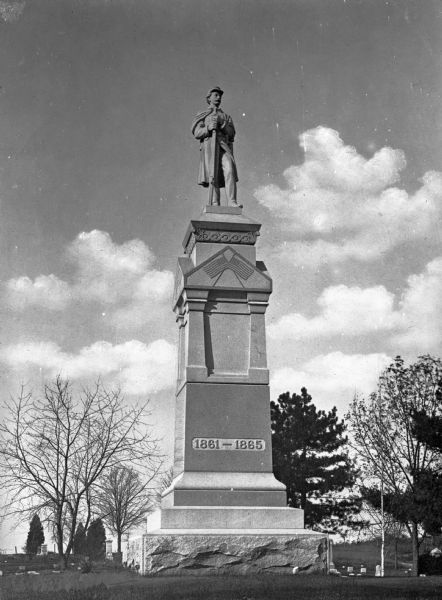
(382, 524)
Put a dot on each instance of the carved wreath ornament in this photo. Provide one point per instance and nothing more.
(224, 237)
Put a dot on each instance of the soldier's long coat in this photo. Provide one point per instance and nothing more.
(225, 138)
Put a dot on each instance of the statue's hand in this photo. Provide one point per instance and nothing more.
(212, 124)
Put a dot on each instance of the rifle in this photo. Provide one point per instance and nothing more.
(214, 163)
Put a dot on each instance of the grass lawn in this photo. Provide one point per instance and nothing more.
(113, 584)
(283, 587)
(123, 586)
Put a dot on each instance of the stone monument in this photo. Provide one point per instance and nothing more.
(224, 511)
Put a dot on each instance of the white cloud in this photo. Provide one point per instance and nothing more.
(420, 308)
(332, 379)
(45, 290)
(415, 325)
(151, 294)
(331, 164)
(344, 310)
(121, 277)
(347, 204)
(106, 271)
(138, 368)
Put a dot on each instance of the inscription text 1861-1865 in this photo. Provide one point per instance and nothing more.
(203, 443)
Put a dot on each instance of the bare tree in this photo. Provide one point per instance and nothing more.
(393, 528)
(382, 428)
(55, 448)
(164, 482)
(124, 499)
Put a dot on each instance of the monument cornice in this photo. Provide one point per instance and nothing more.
(228, 226)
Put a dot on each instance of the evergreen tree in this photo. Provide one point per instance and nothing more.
(428, 428)
(36, 536)
(310, 458)
(95, 540)
(80, 542)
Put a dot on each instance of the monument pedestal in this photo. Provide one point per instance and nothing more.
(224, 511)
(231, 552)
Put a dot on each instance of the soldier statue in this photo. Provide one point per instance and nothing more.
(216, 133)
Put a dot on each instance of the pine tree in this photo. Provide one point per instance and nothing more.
(310, 458)
(80, 542)
(36, 536)
(96, 540)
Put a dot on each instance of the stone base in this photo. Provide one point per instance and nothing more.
(209, 553)
(282, 520)
(214, 488)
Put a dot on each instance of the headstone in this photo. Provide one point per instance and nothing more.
(378, 571)
(44, 549)
(109, 550)
(331, 564)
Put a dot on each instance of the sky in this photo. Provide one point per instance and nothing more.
(337, 107)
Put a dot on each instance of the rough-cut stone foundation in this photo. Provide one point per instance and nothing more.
(207, 554)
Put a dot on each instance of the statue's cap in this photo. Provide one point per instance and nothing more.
(215, 89)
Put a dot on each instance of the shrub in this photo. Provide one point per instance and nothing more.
(86, 566)
(430, 565)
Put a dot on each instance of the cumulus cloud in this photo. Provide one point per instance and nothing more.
(347, 205)
(420, 310)
(344, 310)
(138, 368)
(120, 276)
(150, 293)
(332, 378)
(415, 325)
(46, 290)
(106, 271)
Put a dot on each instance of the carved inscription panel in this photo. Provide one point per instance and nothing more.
(241, 444)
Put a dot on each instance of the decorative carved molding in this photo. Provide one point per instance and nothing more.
(221, 237)
(190, 245)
